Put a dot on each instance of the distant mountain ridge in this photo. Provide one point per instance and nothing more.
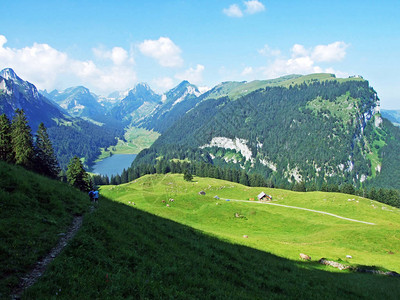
(139, 102)
(70, 135)
(392, 115)
(311, 129)
(314, 129)
(78, 101)
(175, 103)
(18, 93)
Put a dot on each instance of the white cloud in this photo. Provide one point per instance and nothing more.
(233, 11)
(49, 68)
(247, 71)
(3, 40)
(164, 83)
(203, 89)
(304, 61)
(254, 6)
(250, 7)
(299, 51)
(163, 50)
(332, 52)
(117, 55)
(194, 76)
(268, 51)
(39, 63)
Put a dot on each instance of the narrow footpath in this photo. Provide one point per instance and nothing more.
(30, 279)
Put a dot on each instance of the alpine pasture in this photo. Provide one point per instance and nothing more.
(283, 231)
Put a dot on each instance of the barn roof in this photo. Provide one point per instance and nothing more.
(261, 195)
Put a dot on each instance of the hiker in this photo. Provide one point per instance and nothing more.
(91, 195)
(96, 196)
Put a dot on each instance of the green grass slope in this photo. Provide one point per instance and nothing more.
(282, 231)
(34, 210)
(122, 252)
(125, 253)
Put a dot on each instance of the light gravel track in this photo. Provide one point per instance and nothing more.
(302, 208)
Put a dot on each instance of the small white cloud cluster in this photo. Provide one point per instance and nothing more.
(251, 7)
(118, 55)
(301, 60)
(109, 70)
(193, 75)
(47, 67)
(163, 50)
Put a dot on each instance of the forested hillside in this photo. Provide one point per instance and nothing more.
(311, 131)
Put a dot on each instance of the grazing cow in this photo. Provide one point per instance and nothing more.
(305, 256)
(246, 236)
(171, 200)
(168, 205)
(163, 201)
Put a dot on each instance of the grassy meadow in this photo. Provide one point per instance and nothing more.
(136, 138)
(34, 211)
(282, 231)
(193, 249)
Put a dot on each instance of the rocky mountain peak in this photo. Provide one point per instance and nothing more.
(9, 73)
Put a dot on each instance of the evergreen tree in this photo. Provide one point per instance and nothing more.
(124, 176)
(6, 153)
(46, 161)
(299, 187)
(244, 179)
(187, 175)
(348, 188)
(77, 176)
(117, 179)
(21, 140)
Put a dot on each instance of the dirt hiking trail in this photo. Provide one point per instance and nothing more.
(30, 278)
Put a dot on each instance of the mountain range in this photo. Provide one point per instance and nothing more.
(392, 115)
(297, 129)
(70, 135)
(17, 93)
(293, 129)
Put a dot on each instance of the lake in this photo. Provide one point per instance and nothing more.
(114, 164)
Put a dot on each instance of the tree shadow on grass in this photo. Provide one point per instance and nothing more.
(123, 252)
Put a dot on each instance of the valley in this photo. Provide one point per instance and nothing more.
(214, 150)
(135, 140)
(300, 139)
(294, 130)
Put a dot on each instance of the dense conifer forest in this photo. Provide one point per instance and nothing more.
(325, 130)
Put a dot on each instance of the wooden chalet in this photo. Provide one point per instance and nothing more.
(264, 197)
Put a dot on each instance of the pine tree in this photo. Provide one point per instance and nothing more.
(21, 140)
(46, 161)
(77, 176)
(244, 179)
(6, 152)
(187, 175)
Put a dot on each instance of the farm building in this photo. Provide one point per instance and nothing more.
(264, 197)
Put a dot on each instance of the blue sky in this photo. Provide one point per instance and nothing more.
(112, 45)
